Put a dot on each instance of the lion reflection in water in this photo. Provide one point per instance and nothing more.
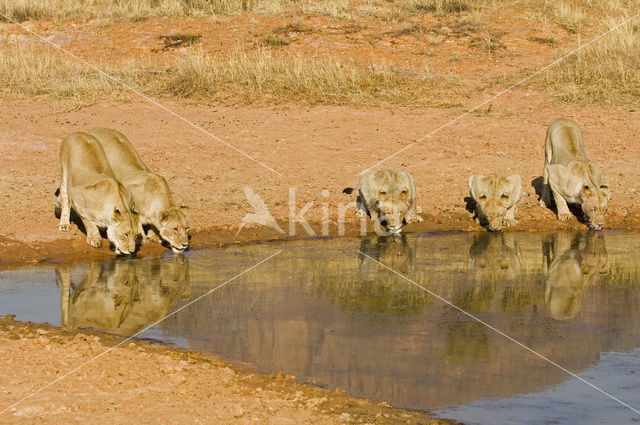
(572, 264)
(122, 296)
(494, 256)
(393, 251)
(377, 289)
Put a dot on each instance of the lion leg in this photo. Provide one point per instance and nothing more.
(63, 201)
(556, 176)
(93, 234)
(563, 209)
(361, 208)
(143, 237)
(412, 214)
(374, 215)
(544, 197)
(153, 236)
(509, 219)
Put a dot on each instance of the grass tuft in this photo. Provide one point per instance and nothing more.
(415, 30)
(443, 7)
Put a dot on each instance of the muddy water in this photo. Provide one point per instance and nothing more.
(324, 312)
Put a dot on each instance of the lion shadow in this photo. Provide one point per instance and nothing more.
(575, 209)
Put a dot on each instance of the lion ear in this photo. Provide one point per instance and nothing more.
(473, 183)
(605, 189)
(117, 215)
(164, 215)
(515, 179)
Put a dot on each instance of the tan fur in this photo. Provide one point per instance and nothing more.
(571, 265)
(88, 185)
(570, 176)
(496, 198)
(494, 257)
(120, 296)
(388, 196)
(150, 191)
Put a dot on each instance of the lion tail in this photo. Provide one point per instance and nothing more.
(349, 190)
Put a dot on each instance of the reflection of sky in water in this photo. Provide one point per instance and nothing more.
(572, 402)
(30, 295)
(321, 311)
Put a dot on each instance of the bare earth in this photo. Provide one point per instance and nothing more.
(315, 148)
(165, 386)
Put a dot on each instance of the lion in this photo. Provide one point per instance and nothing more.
(387, 196)
(572, 264)
(150, 191)
(496, 198)
(570, 176)
(89, 186)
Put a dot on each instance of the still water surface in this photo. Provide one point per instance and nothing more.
(325, 313)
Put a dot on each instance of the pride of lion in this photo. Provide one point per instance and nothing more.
(106, 183)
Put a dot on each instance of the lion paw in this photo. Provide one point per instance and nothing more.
(94, 241)
(152, 237)
(509, 222)
(64, 227)
(564, 216)
(414, 219)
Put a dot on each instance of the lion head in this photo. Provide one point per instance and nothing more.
(174, 228)
(123, 231)
(393, 204)
(494, 194)
(594, 204)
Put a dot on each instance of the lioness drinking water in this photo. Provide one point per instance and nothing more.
(387, 196)
(496, 199)
(571, 177)
(150, 191)
(88, 185)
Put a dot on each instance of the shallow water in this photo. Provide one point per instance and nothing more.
(324, 312)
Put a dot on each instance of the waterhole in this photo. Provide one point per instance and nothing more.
(331, 313)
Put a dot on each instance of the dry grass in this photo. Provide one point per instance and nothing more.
(568, 15)
(334, 8)
(442, 7)
(490, 41)
(259, 76)
(23, 10)
(607, 71)
(241, 78)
